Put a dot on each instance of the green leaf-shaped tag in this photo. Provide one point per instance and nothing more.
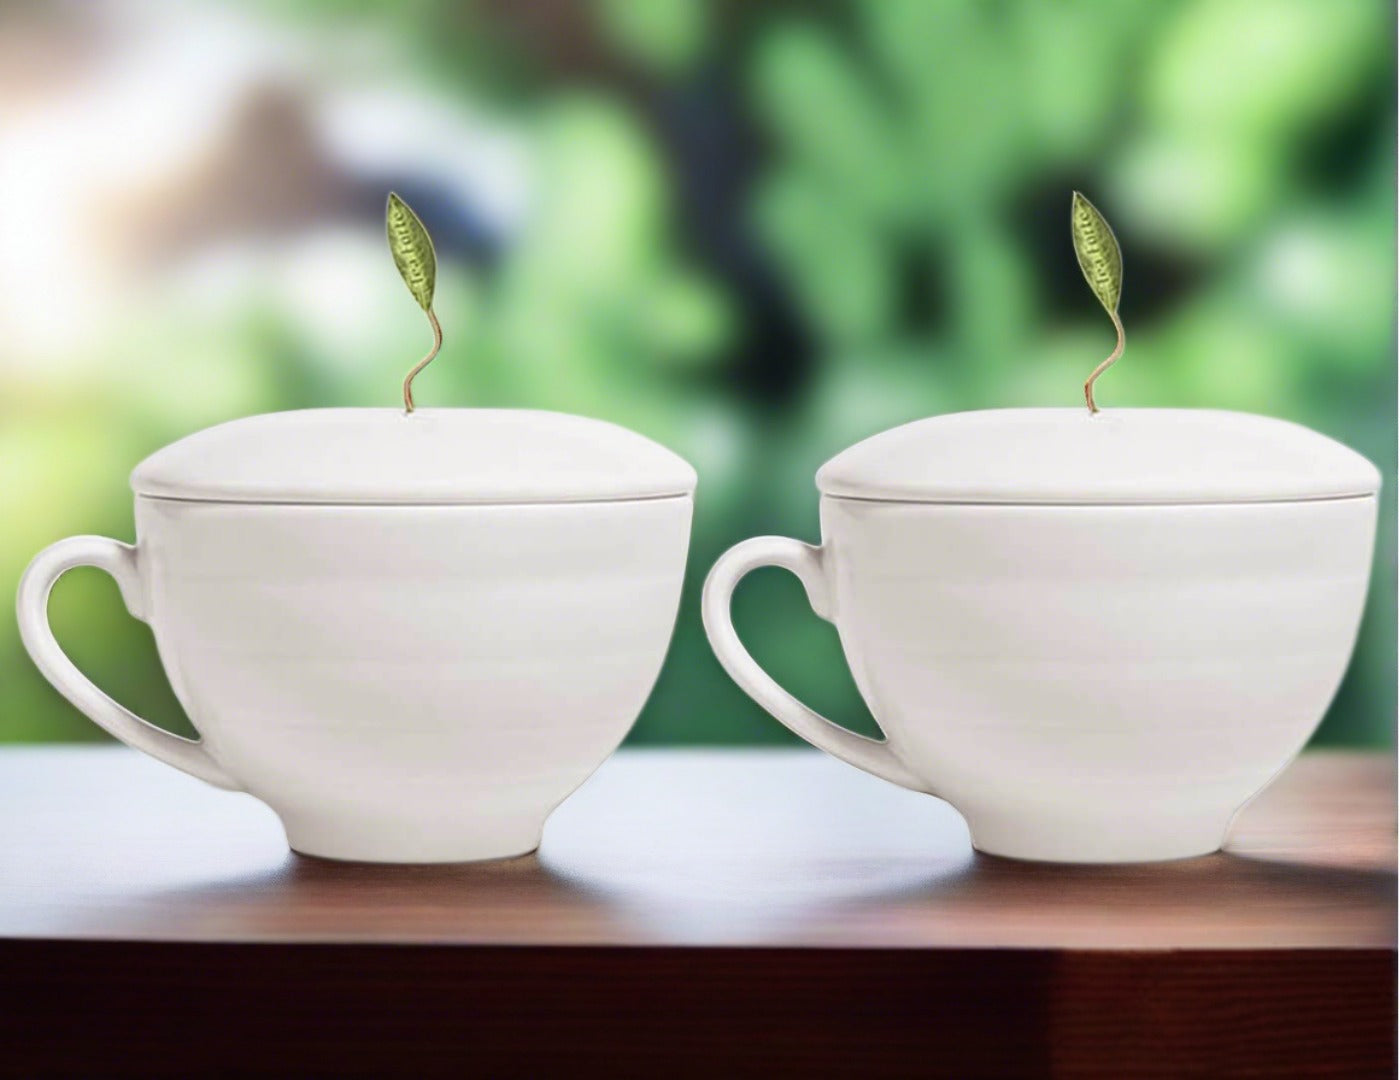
(412, 249)
(1097, 250)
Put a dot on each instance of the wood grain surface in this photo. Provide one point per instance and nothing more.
(756, 912)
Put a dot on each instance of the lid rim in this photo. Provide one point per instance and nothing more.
(410, 504)
(1086, 504)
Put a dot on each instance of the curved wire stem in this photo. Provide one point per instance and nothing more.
(408, 379)
(1114, 355)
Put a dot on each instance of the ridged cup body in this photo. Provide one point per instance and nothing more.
(412, 683)
(1098, 683)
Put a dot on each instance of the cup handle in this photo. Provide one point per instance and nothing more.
(119, 560)
(872, 755)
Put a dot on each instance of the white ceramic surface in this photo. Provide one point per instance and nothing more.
(400, 683)
(1085, 683)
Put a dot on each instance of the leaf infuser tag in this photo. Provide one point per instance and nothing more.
(1100, 259)
(413, 253)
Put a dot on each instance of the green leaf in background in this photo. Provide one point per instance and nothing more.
(668, 36)
(413, 251)
(1096, 248)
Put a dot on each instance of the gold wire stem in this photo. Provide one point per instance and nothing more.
(1114, 355)
(408, 379)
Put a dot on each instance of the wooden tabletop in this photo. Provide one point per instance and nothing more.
(743, 870)
(721, 847)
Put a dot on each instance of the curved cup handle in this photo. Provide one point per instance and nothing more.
(119, 560)
(872, 755)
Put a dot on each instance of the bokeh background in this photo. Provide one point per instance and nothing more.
(756, 232)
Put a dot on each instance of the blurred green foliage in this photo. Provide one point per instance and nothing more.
(759, 233)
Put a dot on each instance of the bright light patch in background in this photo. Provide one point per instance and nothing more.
(111, 136)
(95, 174)
(486, 165)
(1299, 273)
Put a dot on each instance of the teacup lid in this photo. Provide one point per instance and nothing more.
(431, 456)
(1118, 456)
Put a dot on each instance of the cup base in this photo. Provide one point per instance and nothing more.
(1100, 841)
(407, 842)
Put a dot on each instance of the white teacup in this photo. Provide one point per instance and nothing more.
(411, 636)
(1096, 636)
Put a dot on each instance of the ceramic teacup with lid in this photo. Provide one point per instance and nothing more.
(410, 634)
(1097, 636)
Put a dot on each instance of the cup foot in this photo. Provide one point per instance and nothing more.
(1100, 840)
(408, 842)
